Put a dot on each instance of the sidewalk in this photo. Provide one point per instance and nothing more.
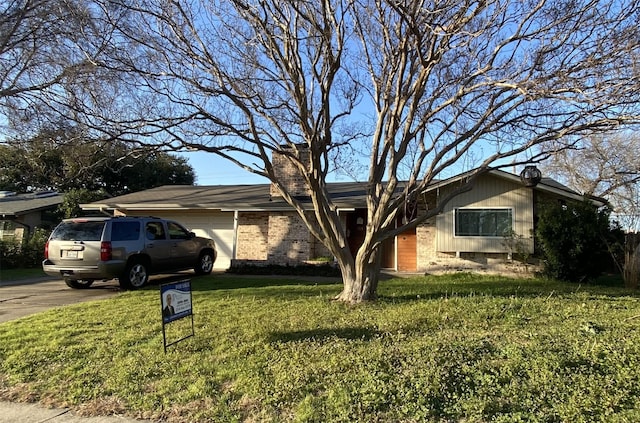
(12, 412)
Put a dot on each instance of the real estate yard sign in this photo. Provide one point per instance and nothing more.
(176, 303)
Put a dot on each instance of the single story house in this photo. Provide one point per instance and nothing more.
(21, 213)
(252, 224)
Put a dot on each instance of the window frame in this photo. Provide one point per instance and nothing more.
(476, 209)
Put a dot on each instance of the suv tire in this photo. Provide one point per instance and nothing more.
(135, 276)
(205, 263)
(78, 284)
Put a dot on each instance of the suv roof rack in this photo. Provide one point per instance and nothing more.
(136, 217)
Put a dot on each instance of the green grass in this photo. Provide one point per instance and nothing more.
(22, 273)
(456, 348)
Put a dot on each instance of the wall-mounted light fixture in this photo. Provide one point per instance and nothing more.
(530, 176)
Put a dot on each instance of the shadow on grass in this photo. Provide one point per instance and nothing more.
(230, 282)
(441, 287)
(353, 333)
(395, 289)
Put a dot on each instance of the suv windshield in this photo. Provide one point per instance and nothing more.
(78, 231)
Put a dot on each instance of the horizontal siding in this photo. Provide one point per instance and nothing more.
(489, 192)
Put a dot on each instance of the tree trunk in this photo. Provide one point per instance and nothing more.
(360, 278)
(631, 272)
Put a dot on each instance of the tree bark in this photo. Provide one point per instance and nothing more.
(360, 277)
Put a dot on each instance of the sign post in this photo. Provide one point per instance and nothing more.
(175, 303)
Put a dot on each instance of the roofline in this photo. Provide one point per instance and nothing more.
(156, 207)
(27, 211)
(541, 186)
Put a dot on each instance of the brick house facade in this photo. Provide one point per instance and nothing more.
(279, 237)
(253, 224)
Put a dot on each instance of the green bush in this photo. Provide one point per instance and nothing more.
(577, 240)
(321, 269)
(27, 254)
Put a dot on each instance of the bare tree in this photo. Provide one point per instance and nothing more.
(605, 165)
(46, 46)
(420, 87)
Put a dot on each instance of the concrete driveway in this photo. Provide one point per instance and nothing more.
(23, 298)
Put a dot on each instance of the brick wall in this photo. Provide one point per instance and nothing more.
(253, 236)
(288, 174)
(426, 244)
(289, 239)
(275, 238)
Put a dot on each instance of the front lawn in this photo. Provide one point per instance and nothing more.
(457, 348)
(8, 275)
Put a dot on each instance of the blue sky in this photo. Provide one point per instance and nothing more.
(211, 169)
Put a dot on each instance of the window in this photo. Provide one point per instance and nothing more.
(177, 232)
(125, 231)
(483, 222)
(155, 231)
(78, 231)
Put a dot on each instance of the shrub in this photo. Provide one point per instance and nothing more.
(322, 269)
(577, 240)
(27, 254)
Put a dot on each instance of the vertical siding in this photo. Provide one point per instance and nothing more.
(489, 192)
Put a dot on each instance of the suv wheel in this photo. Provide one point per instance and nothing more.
(135, 275)
(205, 263)
(78, 284)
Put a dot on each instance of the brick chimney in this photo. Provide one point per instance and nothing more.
(287, 173)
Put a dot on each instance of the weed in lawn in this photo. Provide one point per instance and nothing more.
(450, 348)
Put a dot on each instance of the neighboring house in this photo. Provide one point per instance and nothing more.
(21, 213)
(252, 224)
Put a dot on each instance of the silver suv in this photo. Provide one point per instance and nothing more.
(81, 250)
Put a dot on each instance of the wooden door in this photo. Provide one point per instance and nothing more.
(356, 229)
(407, 251)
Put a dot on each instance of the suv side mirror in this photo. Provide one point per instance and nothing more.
(192, 234)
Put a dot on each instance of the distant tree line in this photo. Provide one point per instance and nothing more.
(85, 169)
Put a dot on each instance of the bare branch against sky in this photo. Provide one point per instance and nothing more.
(414, 88)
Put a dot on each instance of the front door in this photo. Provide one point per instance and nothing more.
(407, 251)
(356, 229)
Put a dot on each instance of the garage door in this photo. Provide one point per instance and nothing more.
(215, 225)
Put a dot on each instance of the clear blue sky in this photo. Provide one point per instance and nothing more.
(211, 169)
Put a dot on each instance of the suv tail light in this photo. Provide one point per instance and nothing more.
(105, 251)
(46, 251)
